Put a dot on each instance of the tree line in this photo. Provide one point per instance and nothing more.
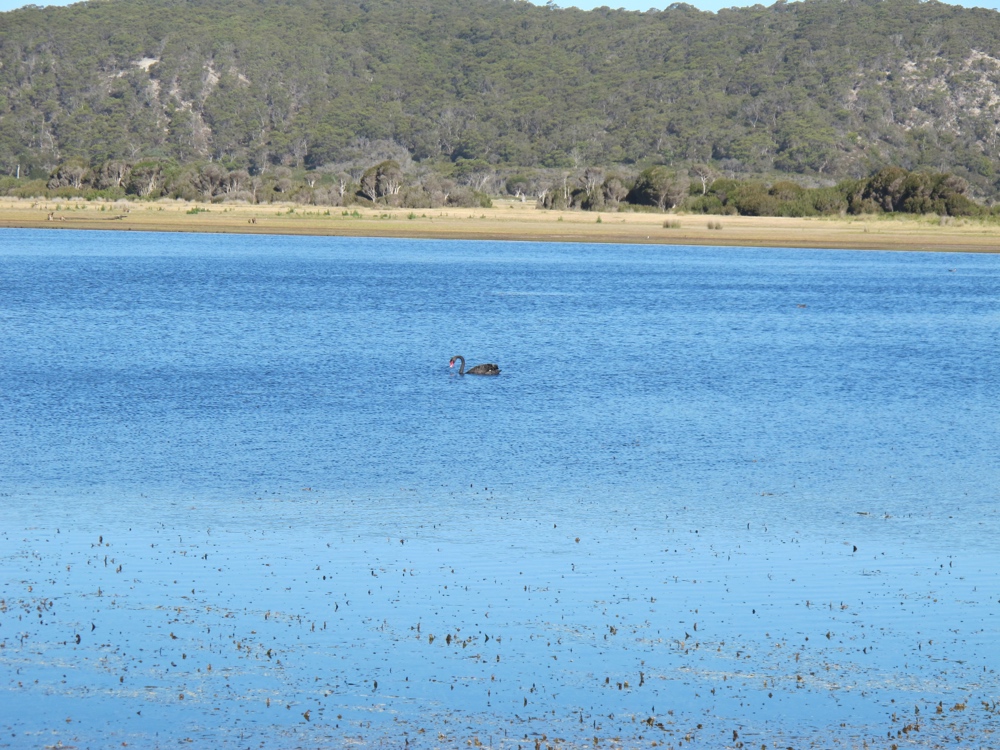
(700, 189)
(820, 90)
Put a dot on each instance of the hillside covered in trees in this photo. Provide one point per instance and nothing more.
(209, 98)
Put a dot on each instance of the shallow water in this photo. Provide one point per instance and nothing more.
(716, 496)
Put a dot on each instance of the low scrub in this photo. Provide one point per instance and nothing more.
(407, 185)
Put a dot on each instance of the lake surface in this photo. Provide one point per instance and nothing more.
(716, 498)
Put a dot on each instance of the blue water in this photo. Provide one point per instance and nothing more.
(714, 490)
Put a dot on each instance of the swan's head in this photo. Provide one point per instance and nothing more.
(452, 363)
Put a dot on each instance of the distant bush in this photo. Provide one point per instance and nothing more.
(890, 190)
(894, 189)
(393, 184)
(463, 197)
(29, 189)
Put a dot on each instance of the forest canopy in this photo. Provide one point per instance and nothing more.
(462, 98)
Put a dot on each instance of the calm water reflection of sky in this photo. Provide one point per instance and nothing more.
(715, 496)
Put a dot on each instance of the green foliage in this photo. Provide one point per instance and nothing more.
(895, 189)
(384, 180)
(823, 88)
(891, 189)
(659, 186)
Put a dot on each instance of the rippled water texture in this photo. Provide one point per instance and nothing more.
(716, 498)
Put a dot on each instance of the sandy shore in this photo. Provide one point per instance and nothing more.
(510, 220)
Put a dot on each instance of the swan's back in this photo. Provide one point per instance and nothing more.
(487, 369)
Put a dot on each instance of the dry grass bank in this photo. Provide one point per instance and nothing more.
(509, 220)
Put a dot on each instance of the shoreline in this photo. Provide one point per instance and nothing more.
(512, 221)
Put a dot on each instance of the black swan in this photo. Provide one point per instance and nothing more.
(488, 369)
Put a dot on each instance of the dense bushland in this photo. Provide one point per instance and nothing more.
(251, 99)
(890, 190)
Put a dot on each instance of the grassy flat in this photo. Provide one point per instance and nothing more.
(511, 220)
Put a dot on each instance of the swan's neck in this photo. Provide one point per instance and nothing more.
(461, 362)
